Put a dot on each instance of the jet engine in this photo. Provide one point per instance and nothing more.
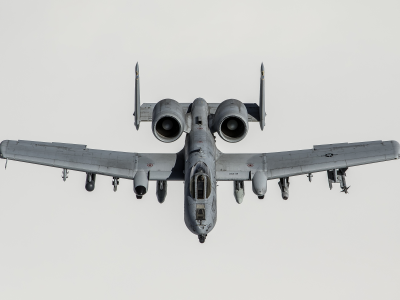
(168, 120)
(231, 121)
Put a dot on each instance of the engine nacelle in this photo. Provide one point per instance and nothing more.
(90, 182)
(259, 184)
(168, 120)
(140, 184)
(231, 121)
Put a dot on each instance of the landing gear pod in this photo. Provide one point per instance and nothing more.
(338, 176)
(140, 184)
(90, 181)
(238, 190)
(259, 184)
(161, 191)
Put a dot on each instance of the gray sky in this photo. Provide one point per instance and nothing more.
(67, 75)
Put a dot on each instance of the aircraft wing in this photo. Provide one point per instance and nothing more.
(292, 163)
(109, 163)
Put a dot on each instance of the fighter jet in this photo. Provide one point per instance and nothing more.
(200, 164)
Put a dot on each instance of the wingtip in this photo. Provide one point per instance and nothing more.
(396, 146)
(262, 66)
(137, 66)
(3, 148)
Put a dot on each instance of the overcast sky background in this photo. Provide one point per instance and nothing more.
(67, 75)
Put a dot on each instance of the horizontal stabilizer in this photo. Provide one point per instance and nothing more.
(146, 110)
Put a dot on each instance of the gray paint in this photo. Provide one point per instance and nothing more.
(230, 108)
(79, 158)
(198, 120)
(253, 110)
(318, 159)
(200, 147)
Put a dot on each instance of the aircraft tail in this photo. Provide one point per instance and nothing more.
(144, 112)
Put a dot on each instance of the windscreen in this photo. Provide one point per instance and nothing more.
(200, 183)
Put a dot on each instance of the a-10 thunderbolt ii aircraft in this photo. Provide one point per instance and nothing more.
(200, 164)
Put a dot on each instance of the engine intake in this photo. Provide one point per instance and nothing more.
(231, 121)
(168, 120)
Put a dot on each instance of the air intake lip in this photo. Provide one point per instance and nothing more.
(233, 128)
(168, 127)
(231, 121)
(168, 120)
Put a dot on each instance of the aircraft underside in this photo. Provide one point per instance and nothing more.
(200, 164)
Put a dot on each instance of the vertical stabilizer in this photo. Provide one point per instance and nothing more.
(262, 98)
(137, 97)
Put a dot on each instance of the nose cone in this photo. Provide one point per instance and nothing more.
(232, 124)
(167, 124)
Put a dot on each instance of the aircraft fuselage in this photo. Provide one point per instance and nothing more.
(200, 179)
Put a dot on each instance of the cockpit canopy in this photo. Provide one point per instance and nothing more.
(200, 183)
